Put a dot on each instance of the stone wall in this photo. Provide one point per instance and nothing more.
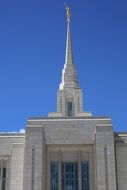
(12, 150)
(121, 164)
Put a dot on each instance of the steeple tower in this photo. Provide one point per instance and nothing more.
(69, 95)
(69, 75)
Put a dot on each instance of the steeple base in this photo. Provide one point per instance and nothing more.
(70, 104)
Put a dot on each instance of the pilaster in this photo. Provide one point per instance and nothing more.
(35, 159)
(105, 158)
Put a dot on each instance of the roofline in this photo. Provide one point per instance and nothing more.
(9, 134)
(69, 118)
(120, 133)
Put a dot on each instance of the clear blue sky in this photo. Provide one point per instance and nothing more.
(32, 51)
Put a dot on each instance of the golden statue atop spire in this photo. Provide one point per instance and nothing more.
(68, 12)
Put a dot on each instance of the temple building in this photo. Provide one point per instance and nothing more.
(69, 149)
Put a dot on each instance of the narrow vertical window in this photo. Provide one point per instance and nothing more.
(60, 104)
(69, 109)
(69, 176)
(54, 175)
(4, 179)
(33, 167)
(85, 175)
(78, 104)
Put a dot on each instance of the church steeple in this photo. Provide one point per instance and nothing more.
(69, 75)
(69, 95)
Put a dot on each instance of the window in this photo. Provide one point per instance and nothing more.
(85, 175)
(54, 175)
(4, 179)
(69, 109)
(2, 175)
(69, 176)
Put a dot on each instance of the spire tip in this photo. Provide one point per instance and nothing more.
(68, 11)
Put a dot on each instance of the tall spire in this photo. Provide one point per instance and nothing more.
(69, 95)
(69, 54)
(69, 75)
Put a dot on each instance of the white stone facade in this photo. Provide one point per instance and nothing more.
(27, 157)
(12, 158)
